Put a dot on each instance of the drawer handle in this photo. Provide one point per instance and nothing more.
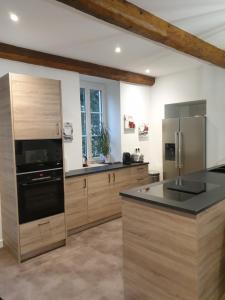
(45, 223)
(109, 178)
(57, 129)
(114, 177)
(85, 183)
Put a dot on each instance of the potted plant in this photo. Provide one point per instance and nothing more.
(104, 141)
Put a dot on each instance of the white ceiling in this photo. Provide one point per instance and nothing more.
(49, 26)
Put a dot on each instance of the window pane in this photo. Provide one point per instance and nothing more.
(84, 145)
(95, 146)
(83, 123)
(96, 100)
(95, 124)
(82, 99)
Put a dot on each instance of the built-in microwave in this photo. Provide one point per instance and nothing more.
(38, 155)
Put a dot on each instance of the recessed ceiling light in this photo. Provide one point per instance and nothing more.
(117, 49)
(147, 71)
(14, 17)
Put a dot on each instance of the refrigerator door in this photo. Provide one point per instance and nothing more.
(192, 144)
(170, 128)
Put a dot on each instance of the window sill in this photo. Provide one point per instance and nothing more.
(94, 165)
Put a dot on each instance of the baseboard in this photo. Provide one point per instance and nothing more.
(1, 243)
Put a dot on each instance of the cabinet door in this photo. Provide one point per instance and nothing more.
(76, 202)
(100, 201)
(36, 107)
(41, 233)
(140, 175)
(121, 180)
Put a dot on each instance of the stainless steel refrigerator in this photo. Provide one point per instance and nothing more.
(184, 145)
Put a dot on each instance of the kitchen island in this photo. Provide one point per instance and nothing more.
(174, 241)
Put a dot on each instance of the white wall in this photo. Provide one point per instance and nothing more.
(205, 82)
(113, 118)
(135, 101)
(70, 103)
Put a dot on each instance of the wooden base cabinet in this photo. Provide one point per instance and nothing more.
(101, 200)
(140, 175)
(76, 203)
(38, 236)
(93, 198)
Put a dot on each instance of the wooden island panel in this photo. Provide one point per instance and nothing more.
(170, 255)
(211, 254)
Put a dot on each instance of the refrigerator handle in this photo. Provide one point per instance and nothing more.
(176, 149)
(180, 154)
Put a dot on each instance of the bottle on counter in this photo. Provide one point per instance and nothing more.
(141, 158)
(85, 161)
(135, 156)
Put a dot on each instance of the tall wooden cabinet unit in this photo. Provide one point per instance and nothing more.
(30, 108)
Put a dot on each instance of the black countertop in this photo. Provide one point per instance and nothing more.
(159, 194)
(99, 169)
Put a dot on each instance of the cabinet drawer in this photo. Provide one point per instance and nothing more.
(140, 175)
(41, 233)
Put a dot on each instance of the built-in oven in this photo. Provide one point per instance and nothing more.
(40, 194)
(36, 155)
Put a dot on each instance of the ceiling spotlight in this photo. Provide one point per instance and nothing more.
(117, 49)
(147, 71)
(14, 17)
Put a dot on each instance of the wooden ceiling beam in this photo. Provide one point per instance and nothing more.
(139, 21)
(58, 62)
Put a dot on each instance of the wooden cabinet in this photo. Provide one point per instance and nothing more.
(140, 175)
(30, 108)
(95, 197)
(36, 236)
(36, 107)
(101, 203)
(120, 180)
(76, 202)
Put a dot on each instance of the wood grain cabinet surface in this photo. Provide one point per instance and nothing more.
(76, 203)
(139, 175)
(36, 107)
(95, 197)
(101, 203)
(39, 234)
(30, 108)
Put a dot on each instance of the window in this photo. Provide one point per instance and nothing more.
(91, 102)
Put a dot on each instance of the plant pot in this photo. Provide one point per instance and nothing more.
(107, 159)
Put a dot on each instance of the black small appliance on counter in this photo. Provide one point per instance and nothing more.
(127, 160)
(40, 186)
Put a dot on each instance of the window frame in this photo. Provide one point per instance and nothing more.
(87, 86)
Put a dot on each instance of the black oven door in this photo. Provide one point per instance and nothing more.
(40, 197)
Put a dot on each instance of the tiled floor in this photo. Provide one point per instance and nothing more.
(88, 268)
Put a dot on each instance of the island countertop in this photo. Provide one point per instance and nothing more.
(158, 194)
(99, 169)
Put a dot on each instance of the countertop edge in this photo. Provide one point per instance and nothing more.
(100, 169)
(164, 205)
